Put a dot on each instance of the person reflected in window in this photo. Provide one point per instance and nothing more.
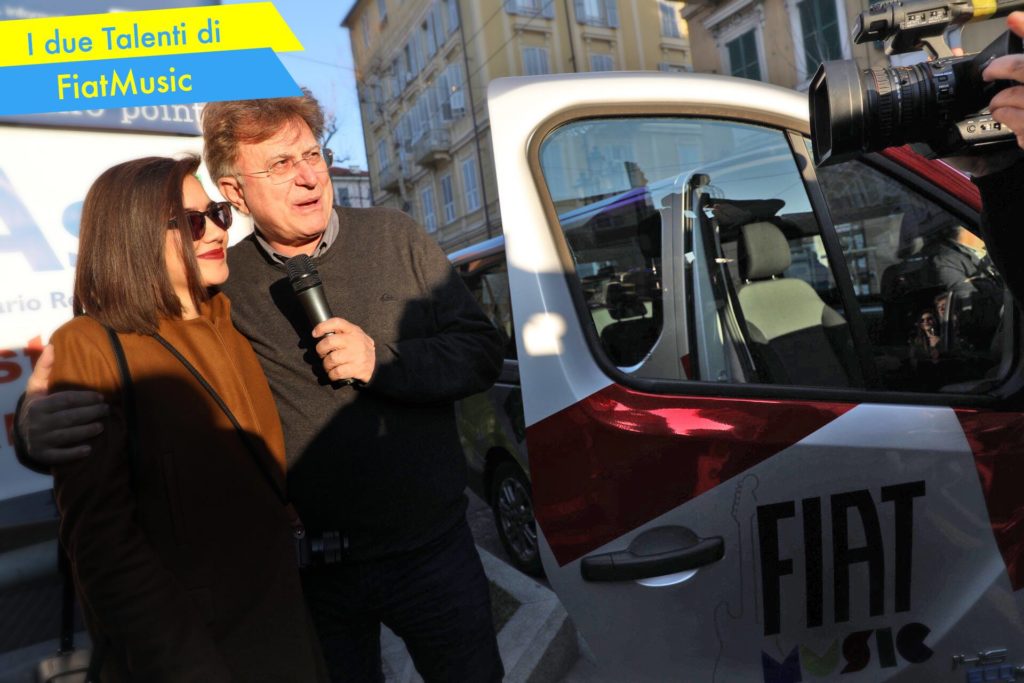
(925, 342)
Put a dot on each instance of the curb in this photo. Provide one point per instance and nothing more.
(537, 644)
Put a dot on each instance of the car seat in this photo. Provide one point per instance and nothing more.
(633, 334)
(796, 337)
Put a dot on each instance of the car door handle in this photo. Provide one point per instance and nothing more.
(656, 552)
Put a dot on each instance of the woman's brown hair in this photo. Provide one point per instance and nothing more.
(121, 276)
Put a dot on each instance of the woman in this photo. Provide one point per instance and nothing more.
(925, 342)
(184, 558)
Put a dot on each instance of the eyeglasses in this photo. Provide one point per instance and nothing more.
(218, 212)
(283, 170)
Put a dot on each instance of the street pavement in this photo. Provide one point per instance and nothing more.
(481, 521)
(42, 600)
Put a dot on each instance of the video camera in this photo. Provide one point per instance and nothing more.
(942, 102)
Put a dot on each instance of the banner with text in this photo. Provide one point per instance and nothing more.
(144, 58)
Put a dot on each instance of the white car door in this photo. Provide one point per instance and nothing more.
(752, 455)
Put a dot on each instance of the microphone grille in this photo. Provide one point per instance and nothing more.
(301, 272)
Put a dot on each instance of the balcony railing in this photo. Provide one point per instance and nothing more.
(432, 147)
(389, 178)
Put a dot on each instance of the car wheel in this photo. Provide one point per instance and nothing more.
(512, 502)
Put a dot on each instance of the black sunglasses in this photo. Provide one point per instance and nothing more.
(218, 212)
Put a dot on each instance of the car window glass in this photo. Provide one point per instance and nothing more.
(709, 219)
(488, 281)
(932, 303)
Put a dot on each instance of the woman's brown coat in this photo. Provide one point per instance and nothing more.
(188, 571)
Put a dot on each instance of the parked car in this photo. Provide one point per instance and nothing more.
(491, 424)
(769, 407)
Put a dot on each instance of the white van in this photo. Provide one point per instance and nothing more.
(770, 408)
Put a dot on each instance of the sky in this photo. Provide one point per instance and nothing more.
(325, 67)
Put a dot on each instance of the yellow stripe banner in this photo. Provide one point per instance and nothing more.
(149, 33)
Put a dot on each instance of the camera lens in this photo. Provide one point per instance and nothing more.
(900, 101)
(855, 111)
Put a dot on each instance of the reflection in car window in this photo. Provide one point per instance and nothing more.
(931, 300)
(745, 268)
(488, 281)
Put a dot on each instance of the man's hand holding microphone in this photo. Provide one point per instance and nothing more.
(348, 353)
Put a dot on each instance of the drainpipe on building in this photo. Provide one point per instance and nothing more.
(572, 39)
(472, 113)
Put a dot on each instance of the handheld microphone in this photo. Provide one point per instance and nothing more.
(308, 288)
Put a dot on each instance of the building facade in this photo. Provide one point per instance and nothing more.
(351, 187)
(784, 41)
(777, 41)
(422, 70)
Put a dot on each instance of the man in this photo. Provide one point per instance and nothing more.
(375, 465)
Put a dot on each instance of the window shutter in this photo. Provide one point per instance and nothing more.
(442, 102)
(429, 35)
(417, 58)
(438, 25)
(457, 99)
(453, 15)
(611, 8)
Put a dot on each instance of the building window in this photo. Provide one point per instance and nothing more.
(376, 101)
(523, 6)
(429, 214)
(447, 198)
(382, 155)
(669, 19)
(743, 58)
(533, 8)
(469, 182)
(601, 63)
(412, 66)
(454, 86)
(453, 14)
(819, 25)
(382, 10)
(429, 39)
(677, 68)
(597, 12)
(341, 196)
(535, 61)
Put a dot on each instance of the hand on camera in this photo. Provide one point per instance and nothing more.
(347, 351)
(1007, 108)
(1008, 105)
(55, 427)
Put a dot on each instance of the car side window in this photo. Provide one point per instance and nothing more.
(488, 281)
(697, 251)
(933, 304)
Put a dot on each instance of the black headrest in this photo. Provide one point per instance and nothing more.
(623, 302)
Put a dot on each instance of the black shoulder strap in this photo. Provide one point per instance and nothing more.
(128, 401)
(254, 449)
